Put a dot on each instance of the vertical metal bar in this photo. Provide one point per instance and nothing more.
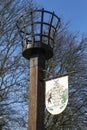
(49, 34)
(20, 32)
(24, 36)
(37, 93)
(41, 28)
(32, 26)
(58, 24)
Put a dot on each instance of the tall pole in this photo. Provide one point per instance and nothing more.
(37, 33)
(37, 93)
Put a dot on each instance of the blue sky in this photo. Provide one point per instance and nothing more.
(74, 11)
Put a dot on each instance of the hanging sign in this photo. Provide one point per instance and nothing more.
(56, 95)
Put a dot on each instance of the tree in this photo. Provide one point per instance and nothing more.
(13, 74)
(70, 57)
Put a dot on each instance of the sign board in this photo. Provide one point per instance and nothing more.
(56, 95)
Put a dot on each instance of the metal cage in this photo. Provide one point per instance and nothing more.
(37, 29)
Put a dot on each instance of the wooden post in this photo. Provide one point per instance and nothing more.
(37, 93)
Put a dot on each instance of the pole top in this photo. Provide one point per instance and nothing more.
(37, 29)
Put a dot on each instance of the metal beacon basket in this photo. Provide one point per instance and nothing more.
(37, 29)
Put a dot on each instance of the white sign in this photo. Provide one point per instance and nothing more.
(56, 95)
